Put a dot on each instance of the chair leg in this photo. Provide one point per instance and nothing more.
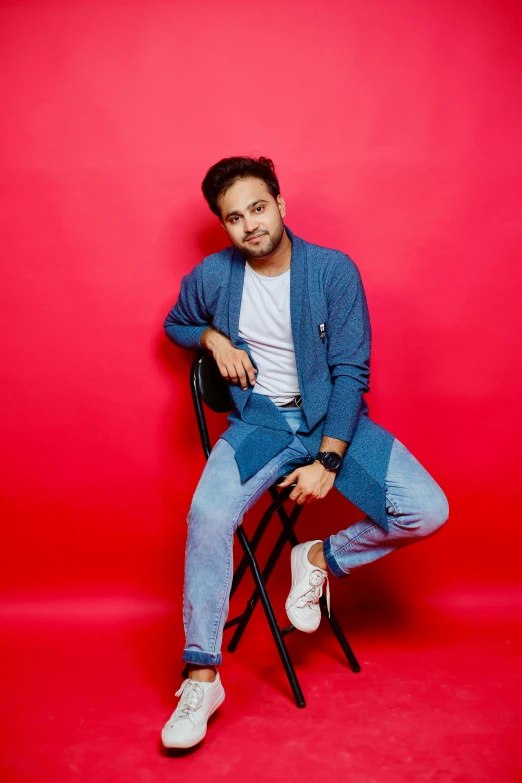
(288, 534)
(272, 621)
(341, 638)
(277, 501)
(334, 624)
(267, 571)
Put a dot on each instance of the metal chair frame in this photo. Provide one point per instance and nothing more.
(208, 386)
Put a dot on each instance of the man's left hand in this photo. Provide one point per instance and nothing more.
(314, 482)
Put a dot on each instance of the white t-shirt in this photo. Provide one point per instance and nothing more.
(264, 324)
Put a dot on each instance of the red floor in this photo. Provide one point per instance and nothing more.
(89, 684)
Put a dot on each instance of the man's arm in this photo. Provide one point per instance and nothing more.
(349, 347)
(189, 318)
(188, 326)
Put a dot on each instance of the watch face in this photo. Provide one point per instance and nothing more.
(331, 460)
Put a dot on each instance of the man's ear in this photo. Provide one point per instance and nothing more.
(281, 205)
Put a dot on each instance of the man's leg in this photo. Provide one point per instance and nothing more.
(217, 508)
(416, 508)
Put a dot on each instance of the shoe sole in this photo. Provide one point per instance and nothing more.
(171, 746)
(297, 626)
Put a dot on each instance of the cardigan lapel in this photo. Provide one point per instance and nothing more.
(297, 278)
(299, 307)
(235, 294)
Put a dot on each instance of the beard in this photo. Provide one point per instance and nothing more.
(268, 244)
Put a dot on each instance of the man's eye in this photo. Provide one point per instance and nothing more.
(259, 207)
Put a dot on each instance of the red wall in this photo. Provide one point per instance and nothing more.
(393, 126)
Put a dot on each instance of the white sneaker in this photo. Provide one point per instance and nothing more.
(188, 723)
(302, 605)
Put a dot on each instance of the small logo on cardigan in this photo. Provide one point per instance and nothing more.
(322, 332)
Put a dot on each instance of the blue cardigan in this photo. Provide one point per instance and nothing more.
(333, 371)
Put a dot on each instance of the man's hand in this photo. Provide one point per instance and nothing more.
(314, 482)
(233, 363)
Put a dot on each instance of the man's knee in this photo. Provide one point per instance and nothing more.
(432, 514)
(209, 519)
(435, 513)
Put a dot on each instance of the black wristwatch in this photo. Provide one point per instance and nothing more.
(330, 460)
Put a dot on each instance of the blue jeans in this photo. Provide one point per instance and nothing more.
(416, 507)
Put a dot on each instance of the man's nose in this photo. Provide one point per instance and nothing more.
(251, 224)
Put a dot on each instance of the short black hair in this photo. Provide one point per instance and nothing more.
(226, 171)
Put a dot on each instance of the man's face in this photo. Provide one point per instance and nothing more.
(252, 217)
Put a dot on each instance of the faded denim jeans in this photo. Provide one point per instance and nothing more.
(416, 508)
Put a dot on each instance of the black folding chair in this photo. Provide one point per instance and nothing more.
(208, 386)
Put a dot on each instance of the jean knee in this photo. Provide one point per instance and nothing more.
(430, 515)
(436, 514)
(208, 520)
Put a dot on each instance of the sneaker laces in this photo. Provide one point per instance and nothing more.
(192, 696)
(317, 579)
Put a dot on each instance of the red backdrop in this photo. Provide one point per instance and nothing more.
(393, 127)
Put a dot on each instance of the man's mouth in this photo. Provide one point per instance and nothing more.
(255, 236)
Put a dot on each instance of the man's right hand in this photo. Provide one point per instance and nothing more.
(233, 363)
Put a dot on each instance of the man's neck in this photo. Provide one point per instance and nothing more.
(277, 262)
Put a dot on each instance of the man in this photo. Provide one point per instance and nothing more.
(288, 325)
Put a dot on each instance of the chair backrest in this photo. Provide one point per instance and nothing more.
(208, 386)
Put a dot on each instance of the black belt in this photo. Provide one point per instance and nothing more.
(296, 402)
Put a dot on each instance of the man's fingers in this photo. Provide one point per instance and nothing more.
(305, 497)
(223, 370)
(247, 364)
(249, 368)
(289, 479)
(231, 371)
(236, 367)
(241, 374)
(298, 494)
(302, 495)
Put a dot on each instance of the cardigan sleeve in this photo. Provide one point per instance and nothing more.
(349, 346)
(189, 317)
